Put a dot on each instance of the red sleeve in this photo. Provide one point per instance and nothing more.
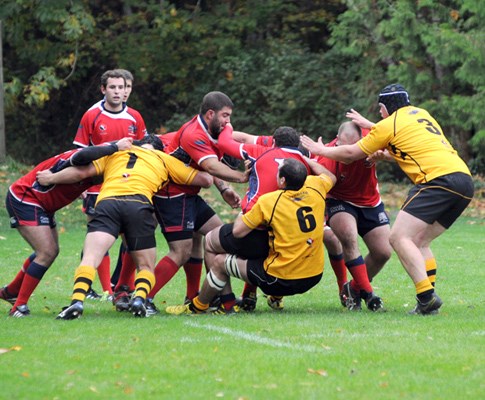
(83, 133)
(227, 144)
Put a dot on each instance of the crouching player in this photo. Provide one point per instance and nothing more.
(295, 216)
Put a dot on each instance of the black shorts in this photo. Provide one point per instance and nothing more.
(130, 215)
(179, 217)
(367, 218)
(22, 214)
(89, 202)
(254, 245)
(443, 199)
(273, 286)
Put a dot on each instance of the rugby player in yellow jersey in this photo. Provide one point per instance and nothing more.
(124, 205)
(295, 217)
(442, 189)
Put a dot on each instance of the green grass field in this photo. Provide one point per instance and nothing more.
(314, 349)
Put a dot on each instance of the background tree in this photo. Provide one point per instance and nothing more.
(283, 62)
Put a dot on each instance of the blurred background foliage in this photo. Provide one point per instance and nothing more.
(283, 62)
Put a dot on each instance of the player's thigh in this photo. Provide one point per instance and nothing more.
(95, 247)
(42, 238)
(377, 240)
(344, 225)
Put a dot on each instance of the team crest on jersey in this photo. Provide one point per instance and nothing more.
(102, 128)
(309, 242)
(412, 112)
(132, 129)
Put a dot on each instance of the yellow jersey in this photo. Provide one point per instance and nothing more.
(416, 141)
(295, 219)
(140, 171)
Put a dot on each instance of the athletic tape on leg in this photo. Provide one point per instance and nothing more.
(232, 268)
(215, 282)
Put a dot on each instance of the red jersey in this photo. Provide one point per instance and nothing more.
(99, 125)
(191, 144)
(50, 198)
(265, 162)
(356, 183)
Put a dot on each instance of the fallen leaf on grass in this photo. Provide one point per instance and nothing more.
(93, 389)
(320, 372)
(71, 372)
(3, 238)
(25, 374)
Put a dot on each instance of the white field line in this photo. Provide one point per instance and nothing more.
(251, 337)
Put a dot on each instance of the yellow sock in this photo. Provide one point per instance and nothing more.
(199, 305)
(144, 282)
(431, 270)
(423, 286)
(83, 278)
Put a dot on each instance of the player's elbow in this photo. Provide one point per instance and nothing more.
(204, 179)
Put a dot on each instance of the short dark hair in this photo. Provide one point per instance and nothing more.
(152, 139)
(286, 136)
(394, 96)
(111, 73)
(294, 172)
(126, 74)
(215, 101)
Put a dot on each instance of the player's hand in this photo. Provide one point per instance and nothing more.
(312, 146)
(359, 119)
(125, 143)
(231, 197)
(44, 177)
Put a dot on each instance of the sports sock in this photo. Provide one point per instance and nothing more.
(228, 301)
(248, 288)
(358, 270)
(424, 290)
(164, 271)
(193, 271)
(144, 282)
(198, 305)
(83, 278)
(339, 269)
(104, 274)
(14, 287)
(32, 277)
(431, 270)
(127, 273)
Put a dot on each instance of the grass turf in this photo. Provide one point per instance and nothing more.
(313, 349)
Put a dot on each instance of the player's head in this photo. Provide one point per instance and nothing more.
(215, 101)
(348, 133)
(129, 82)
(285, 136)
(393, 97)
(294, 173)
(111, 73)
(151, 139)
(216, 109)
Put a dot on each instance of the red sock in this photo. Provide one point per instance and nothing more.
(228, 301)
(339, 268)
(32, 277)
(193, 271)
(127, 273)
(248, 288)
(14, 287)
(358, 270)
(164, 271)
(105, 274)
